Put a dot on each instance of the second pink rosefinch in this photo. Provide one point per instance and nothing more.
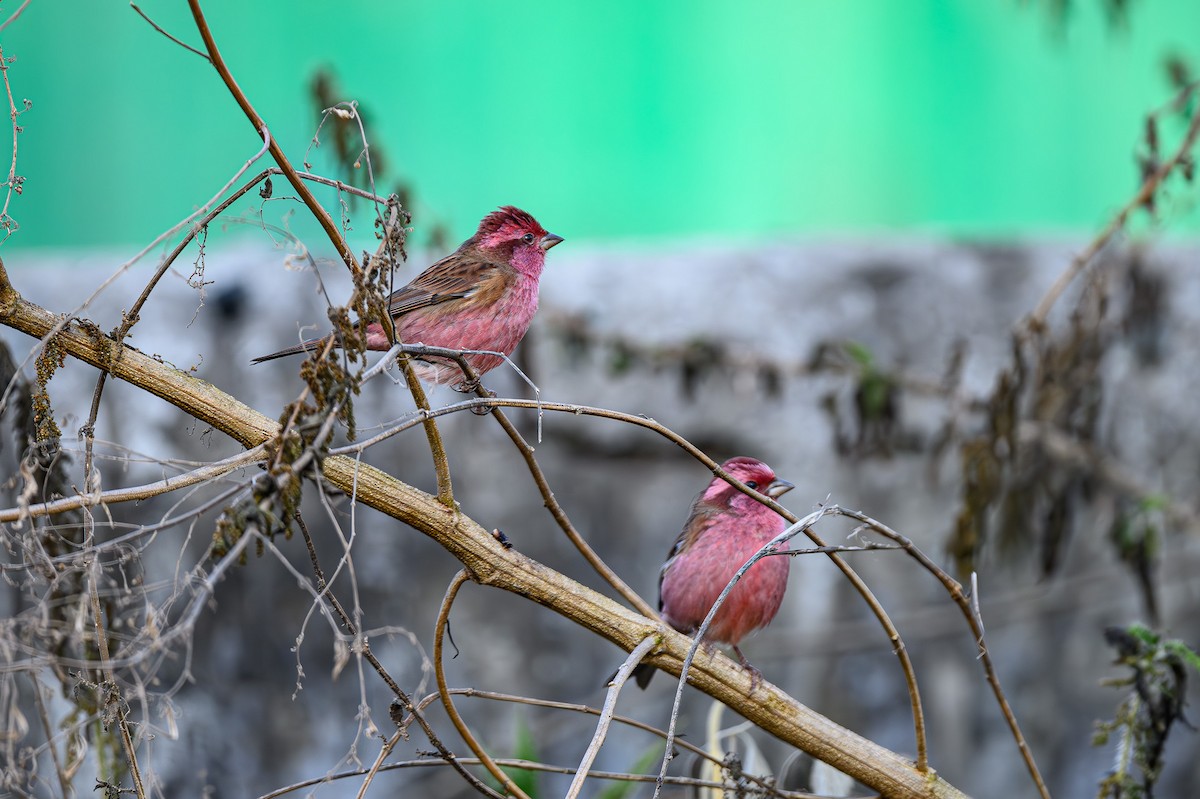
(480, 297)
(724, 530)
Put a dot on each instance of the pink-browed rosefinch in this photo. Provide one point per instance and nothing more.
(480, 297)
(724, 530)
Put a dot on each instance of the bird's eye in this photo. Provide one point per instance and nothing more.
(752, 485)
(527, 238)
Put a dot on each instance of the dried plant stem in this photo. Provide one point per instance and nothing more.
(364, 647)
(426, 416)
(974, 621)
(898, 647)
(14, 16)
(137, 493)
(680, 743)
(441, 466)
(130, 318)
(156, 27)
(439, 671)
(64, 782)
(315, 208)
(384, 752)
(1037, 320)
(606, 715)
(529, 765)
(13, 114)
(564, 522)
(445, 494)
(594, 712)
(110, 692)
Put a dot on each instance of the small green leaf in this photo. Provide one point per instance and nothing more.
(860, 354)
(642, 765)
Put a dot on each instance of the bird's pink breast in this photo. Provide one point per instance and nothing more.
(467, 325)
(697, 577)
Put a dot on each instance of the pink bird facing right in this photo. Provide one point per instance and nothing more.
(480, 297)
(724, 530)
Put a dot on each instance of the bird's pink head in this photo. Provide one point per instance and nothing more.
(754, 473)
(517, 237)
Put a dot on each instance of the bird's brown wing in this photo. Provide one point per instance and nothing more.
(701, 517)
(455, 277)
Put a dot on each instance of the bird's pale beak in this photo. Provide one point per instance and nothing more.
(778, 488)
(549, 240)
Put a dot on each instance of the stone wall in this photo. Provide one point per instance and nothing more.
(743, 351)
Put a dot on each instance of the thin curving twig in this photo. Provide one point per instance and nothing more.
(110, 692)
(404, 699)
(445, 494)
(529, 765)
(13, 184)
(974, 620)
(1150, 185)
(610, 706)
(315, 208)
(764, 784)
(873, 603)
(439, 671)
(158, 28)
(137, 493)
(14, 16)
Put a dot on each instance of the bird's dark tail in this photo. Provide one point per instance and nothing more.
(642, 673)
(304, 346)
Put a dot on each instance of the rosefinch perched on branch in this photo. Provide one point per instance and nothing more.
(480, 297)
(724, 530)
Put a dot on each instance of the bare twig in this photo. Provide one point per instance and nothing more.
(13, 183)
(529, 765)
(680, 743)
(131, 317)
(14, 16)
(610, 706)
(136, 493)
(64, 782)
(156, 27)
(306, 196)
(441, 466)
(110, 691)
(877, 609)
(564, 522)
(1144, 194)
(443, 691)
(404, 699)
(556, 510)
(970, 612)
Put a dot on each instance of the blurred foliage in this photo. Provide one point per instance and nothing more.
(1136, 535)
(524, 748)
(646, 761)
(1158, 685)
(48, 611)
(351, 154)
(1013, 486)
(1041, 457)
(871, 426)
(1115, 11)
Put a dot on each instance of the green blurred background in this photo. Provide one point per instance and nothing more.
(612, 119)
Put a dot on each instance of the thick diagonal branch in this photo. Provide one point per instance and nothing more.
(489, 563)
